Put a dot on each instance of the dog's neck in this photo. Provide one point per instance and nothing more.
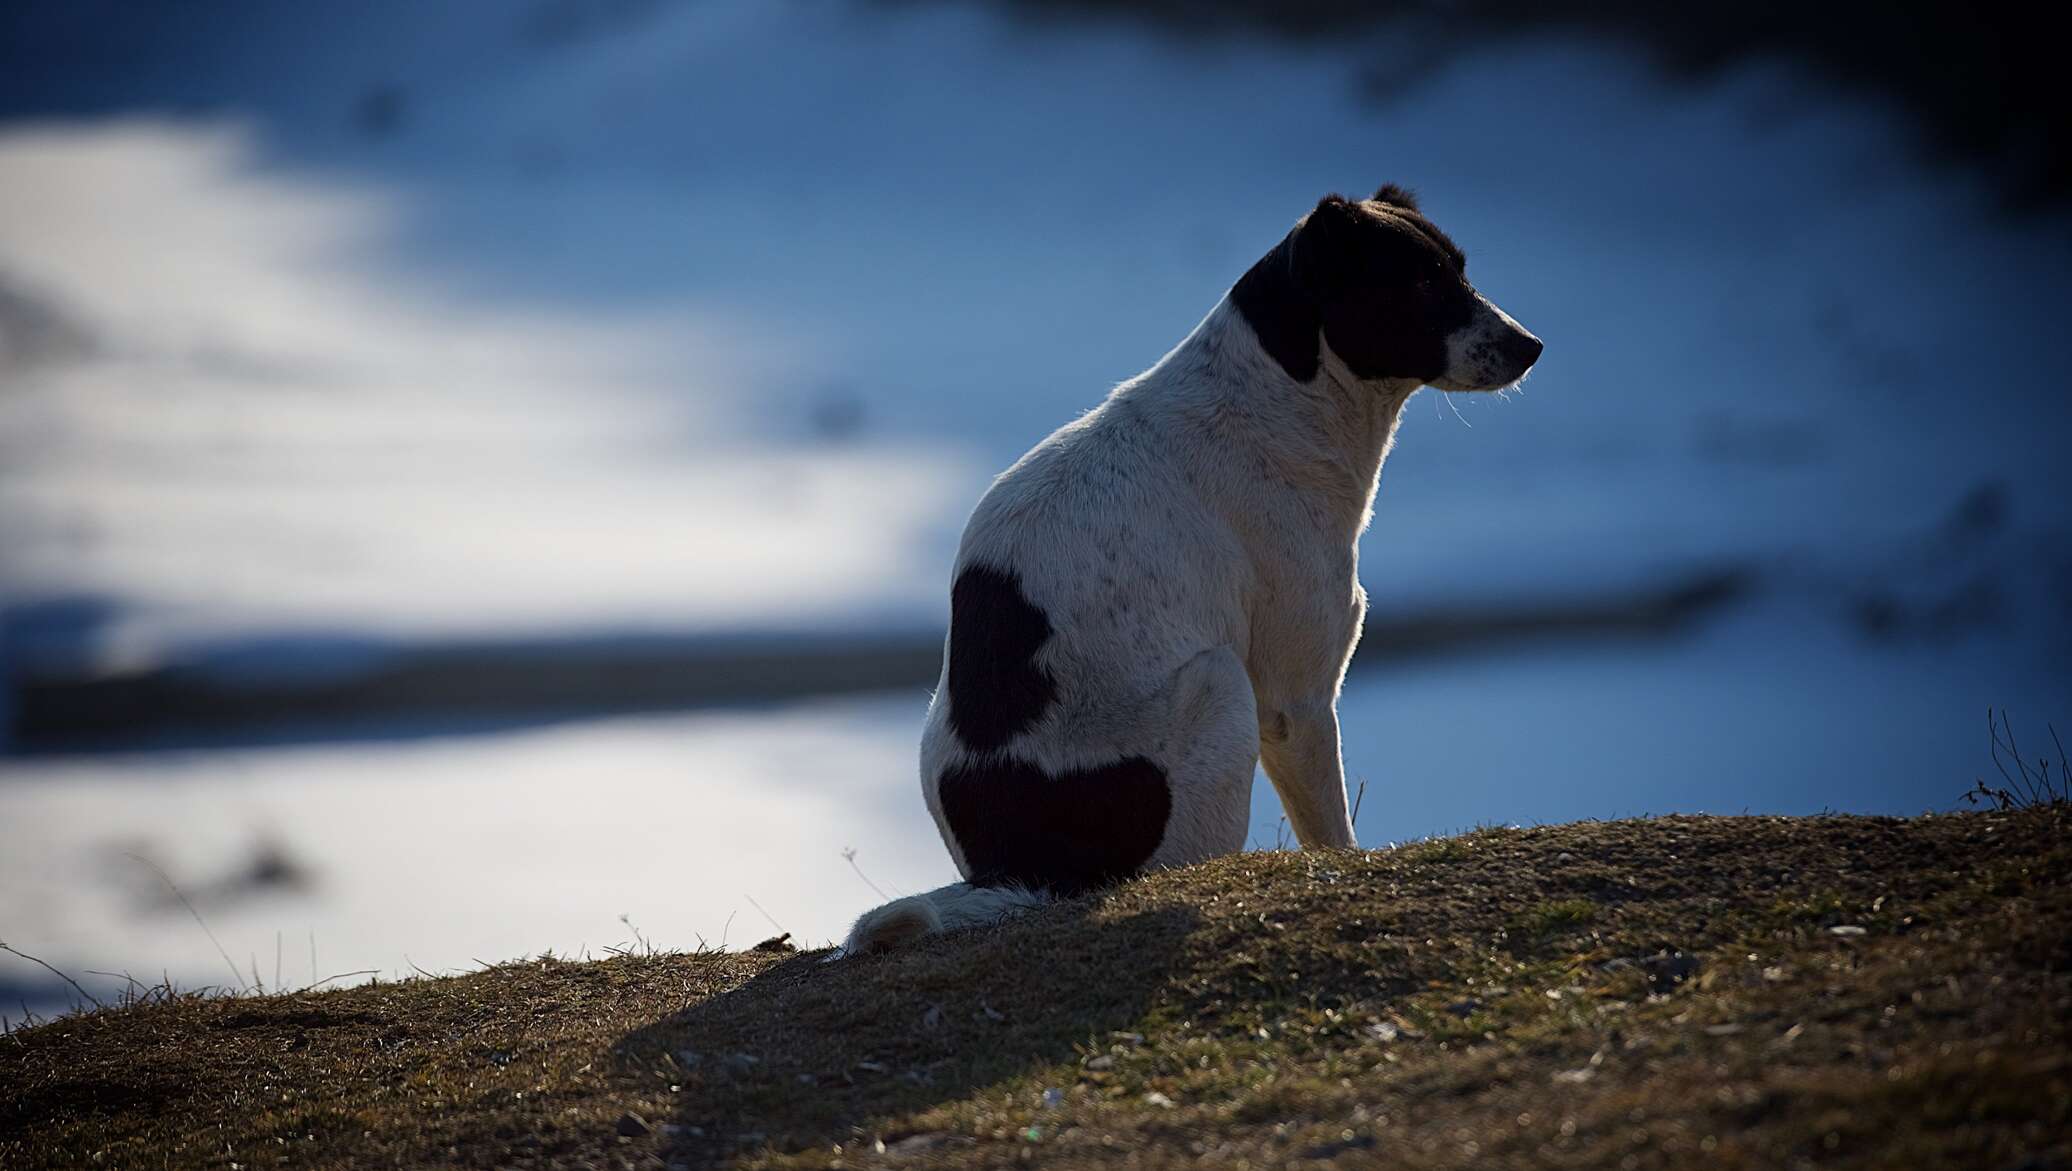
(1326, 437)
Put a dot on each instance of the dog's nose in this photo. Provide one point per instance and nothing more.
(1524, 349)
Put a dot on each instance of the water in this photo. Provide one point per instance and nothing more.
(435, 853)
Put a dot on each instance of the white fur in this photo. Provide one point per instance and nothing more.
(948, 908)
(1193, 543)
(1475, 358)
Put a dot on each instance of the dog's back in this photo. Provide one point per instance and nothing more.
(1080, 590)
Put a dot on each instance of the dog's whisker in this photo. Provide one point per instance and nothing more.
(1456, 413)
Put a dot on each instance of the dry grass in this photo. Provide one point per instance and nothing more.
(1631, 994)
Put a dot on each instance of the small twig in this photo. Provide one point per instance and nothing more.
(167, 879)
(53, 971)
(339, 976)
(2026, 787)
(849, 856)
(645, 947)
(312, 953)
(1357, 798)
(2020, 785)
(767, 915)
(418, 970)
(129, 994)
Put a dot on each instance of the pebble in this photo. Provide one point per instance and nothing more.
(1667, 969)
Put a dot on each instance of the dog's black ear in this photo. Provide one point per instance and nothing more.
(1396, 196)
(1323, 246)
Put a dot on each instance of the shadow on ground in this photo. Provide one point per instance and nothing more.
(833, 1049)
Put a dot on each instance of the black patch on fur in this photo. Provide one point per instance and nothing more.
(1377, 279)
(996, 689)
(1281, 314)
(1067, 834)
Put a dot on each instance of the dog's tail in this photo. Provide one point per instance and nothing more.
(949, 908)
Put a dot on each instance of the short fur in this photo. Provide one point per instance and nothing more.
(1166, 591)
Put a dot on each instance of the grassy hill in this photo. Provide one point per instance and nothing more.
(1691, 991)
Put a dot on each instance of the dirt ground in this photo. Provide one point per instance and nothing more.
(1728, 992)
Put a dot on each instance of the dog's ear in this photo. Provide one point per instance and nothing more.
(1322, 246)
(1396, 196)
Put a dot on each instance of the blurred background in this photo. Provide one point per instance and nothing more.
(481, 477)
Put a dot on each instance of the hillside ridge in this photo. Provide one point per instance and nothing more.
(1741, 992)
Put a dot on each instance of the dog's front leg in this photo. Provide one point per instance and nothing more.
(1299, 746)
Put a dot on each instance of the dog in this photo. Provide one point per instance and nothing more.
(1165, 592)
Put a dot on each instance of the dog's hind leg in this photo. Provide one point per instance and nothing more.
(1210, 751)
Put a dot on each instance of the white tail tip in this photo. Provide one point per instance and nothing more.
(895, 924)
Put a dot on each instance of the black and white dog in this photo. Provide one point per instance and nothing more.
(1165, 592)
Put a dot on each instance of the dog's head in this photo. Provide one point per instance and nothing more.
(1388, 292)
